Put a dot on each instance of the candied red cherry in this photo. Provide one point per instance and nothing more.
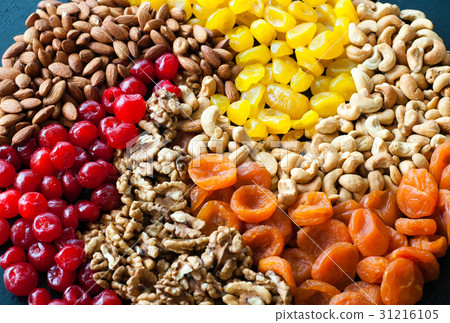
(132, 85)
(166, 66)
(51, 187)
(168, 86)
(92, 175)
(105, 125)
(59, 279)
(109, 98)
(51, 135)
(112, 173)
(32, 204)
(56, 206)
(20, 279)
(91, 111)
(144, 70)
(81, 158)
(47, 227)
(82, 134)
(39, 296)
(130, 108)
(26, 150)
(12, 256)
(7, 174)
(9, 204)
(27, 181)
(41, 256)
(71, 188)
(70, 257)
(107, 197)
(107, 297)
(100, 150)
(69, 217)
(86, 280)
(22, 234)
(87, 211)
(9, 154)
(41, 164)
(123, 136)
(76, 295)
(4, 231)
(63, 155)
(68, 237)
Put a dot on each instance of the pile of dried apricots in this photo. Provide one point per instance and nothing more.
(389, 240)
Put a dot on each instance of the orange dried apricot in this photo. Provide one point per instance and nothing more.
(416, 227)
(439, 160)
(435, 244)
(301, 263)
(212, 172)
(371, 291)
(216, 214)
(444, 183)
(281, 221)
(442, 214)
(350, 298)
(264, 241)
(383, 204)
(343, 211)
(311, 208)
(314, 292)
(252, 174)
(198, 198)
(371, 269)
(369, 233)
(417, 194)
(402, 283)
(336, 265)
(253, 203)
(396, 239)
(315, 239)
(280, 267)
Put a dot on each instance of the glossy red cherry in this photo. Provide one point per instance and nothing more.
(22, 234)
(92, 175)
(4, 231)
(41, 164)
(168, 86)
(69, 217)
(107, 124)
(41, 256)
(63, 155)
(76, 295)
(109, 98)
(26, 150)
(87, 211)
(132, 85)
(112, 173)
(81, 158)
(130, 108)
(91, 111)
(32, 204)
(123, 136)
(59, 279)
(39, 296)
(70, 257)
(51, 135)
(82, 134)
(47, 227)
(68, 237)
(71, 188)
(166, 66)
(9, 204)
(107, 197)
(107, 297)
(86, 280)
(7, 174)
(12, 256)
(144, 70)
(9, 154)
(20, 279)
(27, 181)
(100, 150)
(57, 206)
(51, 187)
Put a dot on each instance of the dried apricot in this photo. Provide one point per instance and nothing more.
(311, 208)
(396, 239)
(264, 241)
(416, 227)
(402, 283)
(253, 203)
(315, 239)
(216, 214)
(442, 214)
(369, 233)
(343, 211)
(350, 298)
(444, 183)
(314, 292)
(336, 265)
(252, 174)
(280, 267)
(371, 269)
(383, 204)
(371, 291)
(301, 263)
(439, 160)
(281, 221)
(198, 198)
(435, 244)
(417, 194)
(213, 172)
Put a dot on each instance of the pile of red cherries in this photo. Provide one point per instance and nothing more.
(64, 178)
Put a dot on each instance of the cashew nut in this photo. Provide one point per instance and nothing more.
(303, 176)
(356, 36)
(344, 143)
(374, 61)
(405, 166)
(375, 129)
(418, 139)
(208, 87)
(379, 160)
(379, 146)
(433, 72)
(389, 94)
(352, 162)
(359, 55)
(368, 26)
(376, 181)
(367, 104)
(362, 81)
(403, 149)
(389, 58)
(188, 96)
(444, 106)
(329, 182)
(208, 121)
(406, 34)
(268, 161)
(409, 87)
(411, 15)
(328, 125)
(388, 185)
(364, 143)
(354, 183)
(428, 129)
(329, 155)
(441, 82)
(240, 155)
(386, 35)
(420, 161)
(390, 20)
(241, 137)
(395, 73)
(219, 145)
(290, 161)
(313, 186)
(437, 140)
(444, 123)
(198, 145)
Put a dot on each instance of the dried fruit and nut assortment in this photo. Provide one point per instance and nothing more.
(224, 152)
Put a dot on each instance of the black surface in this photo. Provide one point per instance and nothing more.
(12, 17)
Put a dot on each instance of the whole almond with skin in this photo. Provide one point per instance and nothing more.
(23, 135)
(206, 68)
(30, 103)
(129, 20)
(200, 34)
(189, 65)
(11, 119)
(69, 111)
(92, 66)
(173, 25)
(163, 12)
(79, 81)
(123, 71)
(44, 57)
(8, 73)
(76, 93)
(11, 106)
(231, 92)
(59, 69)
(43, 114)
(154, 52)
(91, 93)
(211, 56)
(69, 8)
(82, 26)
(23, 94)
(225, 55)
(45, 87)
(115, 30)
(21, 125)
(56, 93)
(178, 14)
(31, 19)
(4, 140)
(111, 75)
(101, 35)
(30, 34)
(145, 41)
(133, 48)
(235, 70)
(7, 87)
(101, 49)
(75, 63)
(86, 55)
(143, 17)
(121, 49)
(15, 50)
(220, 86)
(180, 46)
(168, 34)
(98, 78)
(224, 71)
(159, 39)
(223, 44)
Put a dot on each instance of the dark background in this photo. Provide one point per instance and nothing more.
(13, 14)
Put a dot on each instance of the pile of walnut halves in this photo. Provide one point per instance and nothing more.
(152, 251)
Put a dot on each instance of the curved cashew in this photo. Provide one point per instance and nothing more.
(428, 33)
(395, 73)
(312, 186)
(198, 145)
(376, 181)
(303, 176)
(365, 12)
(268, 161)
(375, 129)
(389, 58)
(364, 143)
(344, 143)
(362, 81)
(422, 23)
(378, 161)
(356, 36)
(388, 185)
(395, 175)
(345, 126)
(399, 47)
(403, 149)
(409, 87)
(352, 162)
(420, 80)
(437, 140)
(378, 79)
(432, 114)
(359, 55)
(188, 96)
(208, 87)
(372, 62)
(398, 136)
(384, 9)
(386, 35)
(368, 26)
(411, 15)
(354, 183)
(418, 139)
(405, 166)
(420, 161)
(240, 155)
(444, 123)
(389, 95)
(406, 34)
(441, 82)
(241, 137)
(386, 117)
(390, 20)
(290, 161)
(433, 72)
(327, 126)
(367, 104)
(444, 106)
(414, 57)
(428, 129)
(446, 60)
(219, 145)
(208, 121)
(379, 146)
(348, 112)
(329, 156)
(329, 182)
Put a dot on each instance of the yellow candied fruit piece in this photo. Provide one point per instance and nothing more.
(345, 8)
(276, 122)
(239, 6)
(308, 120)
(263, 31)
(282, 98)
(221, 101)
(156, 4)
(240, 38)
(257, 8)
(302, 11)
(332, 2)
(279, 19)
(238, 112)
(223, 20)
(321, 28)
(251, 74)
(284, 2)
(341, 29)
(301, 35)
(301, 81)
(326, 45)
(326, 103)
(201, 12)
(310, 132)
(255, 129)
(245, 19)
(344, 85)
(210, 4)
(184, 4)
(283, 69)
(195, 21)
(279, 48)
(268, 76)
(254, 95)
(259, 54)
(314, 3)
(326, 14)
(305, 59)
(339, 66)
(320, 84)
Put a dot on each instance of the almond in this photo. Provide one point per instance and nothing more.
(121, 49)
(101, 35)
(11, 119)
(23, 94)
(56, 93)
(75, 63)
(159, 39)
(98, 78)
(15, 50)
(69, 111)
(178, 14)
(235, 70)
(59, 69)
(45, 87)
(206, 68)
(225, 55)
(224, 71)
(4, 140)
(23, 135)
(31, 103)
(231, 92)
(79, 81)
(154, 52)
(43, 114)
(44, 57)
(220, 87)
(92, 66)
(143, 15)
(153, 24)
(7, 87)
(211, 56)
(129, 20)
(75, 92)
(91, 93)
(69, 8)
(190, 65)
(8, 73)
(11, 106)
(163, 12)
(111, 75)
(115, 30)
(180, 46)
(101, 49)
(200, 34)
(82, 26)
